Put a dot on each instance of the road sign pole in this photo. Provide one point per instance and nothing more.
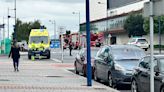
(89, 69)
(62, 46)
(151, 47)
(159, 33)
(61, 33)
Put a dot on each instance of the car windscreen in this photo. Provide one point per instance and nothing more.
(127, 53)
(39, 39)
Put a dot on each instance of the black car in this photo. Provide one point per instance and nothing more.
(114, 64)
(81, 60)
(141, 75)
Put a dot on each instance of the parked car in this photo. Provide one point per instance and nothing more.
(140, 42)
(114, 64)
(81, 60)
(141, 75)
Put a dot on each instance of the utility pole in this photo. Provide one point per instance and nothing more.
(8, 21)
(151, 47)
(159, 33)
(54, 22)
(15, 31)
(78, 24)
(4, 35)
(89, 69)
(61, 33)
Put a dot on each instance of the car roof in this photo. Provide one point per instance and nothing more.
(92, 48)
(125, 46)
(160, 56)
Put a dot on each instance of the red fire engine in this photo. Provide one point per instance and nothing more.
(96, 40)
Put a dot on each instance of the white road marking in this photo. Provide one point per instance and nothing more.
(57, 60)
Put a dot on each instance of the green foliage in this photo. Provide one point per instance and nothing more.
(23, 29)
(157, 46)
(134, 25)
(156, 24)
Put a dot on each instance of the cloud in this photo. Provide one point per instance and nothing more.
(45, 10)
(60, 1)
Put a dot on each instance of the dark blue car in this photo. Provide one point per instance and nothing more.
(114, 64)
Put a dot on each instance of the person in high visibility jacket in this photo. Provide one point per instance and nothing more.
(33, 49)
(41, 48)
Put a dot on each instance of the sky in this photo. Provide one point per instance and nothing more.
(44, 10)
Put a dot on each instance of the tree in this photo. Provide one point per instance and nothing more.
(23, 29)
(134, 25)
(156, 24)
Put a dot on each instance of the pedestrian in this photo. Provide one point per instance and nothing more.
(14, 53)
(41, 48)
(70, 48)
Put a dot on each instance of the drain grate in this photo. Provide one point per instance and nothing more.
(100, 88)
(4, 80)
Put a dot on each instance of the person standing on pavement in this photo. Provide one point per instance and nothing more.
(14, 53)
(70, 48)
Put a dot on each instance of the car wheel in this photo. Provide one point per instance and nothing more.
(76, 69)
(49, 55)
(95, 76)
(110, 80)
(146, 49)
(162, 89)
(29, 56)
(134, 87)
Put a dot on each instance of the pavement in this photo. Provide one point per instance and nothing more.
(44, 76)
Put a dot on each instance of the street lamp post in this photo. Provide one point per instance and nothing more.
(54, 22)
(8, 17)
(106, 17)
(15, 20)
(151, 47)
(79, 25)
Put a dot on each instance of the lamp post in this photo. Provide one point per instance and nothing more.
(54, 22)
(151, 46)
(15, 20)
(106, 16)
(79, 24)
(8, 17)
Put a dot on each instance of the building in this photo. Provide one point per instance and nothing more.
(112, 24)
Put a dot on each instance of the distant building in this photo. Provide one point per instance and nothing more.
(113, 18)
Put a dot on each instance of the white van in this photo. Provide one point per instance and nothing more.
(140, 42)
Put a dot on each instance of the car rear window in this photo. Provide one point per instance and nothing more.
(142, 40)
(127, 53)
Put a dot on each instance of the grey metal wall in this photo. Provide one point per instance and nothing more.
(119, 3)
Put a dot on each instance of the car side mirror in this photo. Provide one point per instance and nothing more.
(156, 70)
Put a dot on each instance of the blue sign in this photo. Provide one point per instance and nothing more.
(55, 44)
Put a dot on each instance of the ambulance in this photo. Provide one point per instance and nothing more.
(36, 37)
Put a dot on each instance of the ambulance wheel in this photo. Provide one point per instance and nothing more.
(49, 56)
(29, 56)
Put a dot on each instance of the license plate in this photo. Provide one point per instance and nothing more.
(37, 54)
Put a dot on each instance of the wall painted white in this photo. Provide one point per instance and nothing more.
(98, 11)
(128, 8)
(123, 38)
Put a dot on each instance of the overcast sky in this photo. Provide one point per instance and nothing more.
(45, 10)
